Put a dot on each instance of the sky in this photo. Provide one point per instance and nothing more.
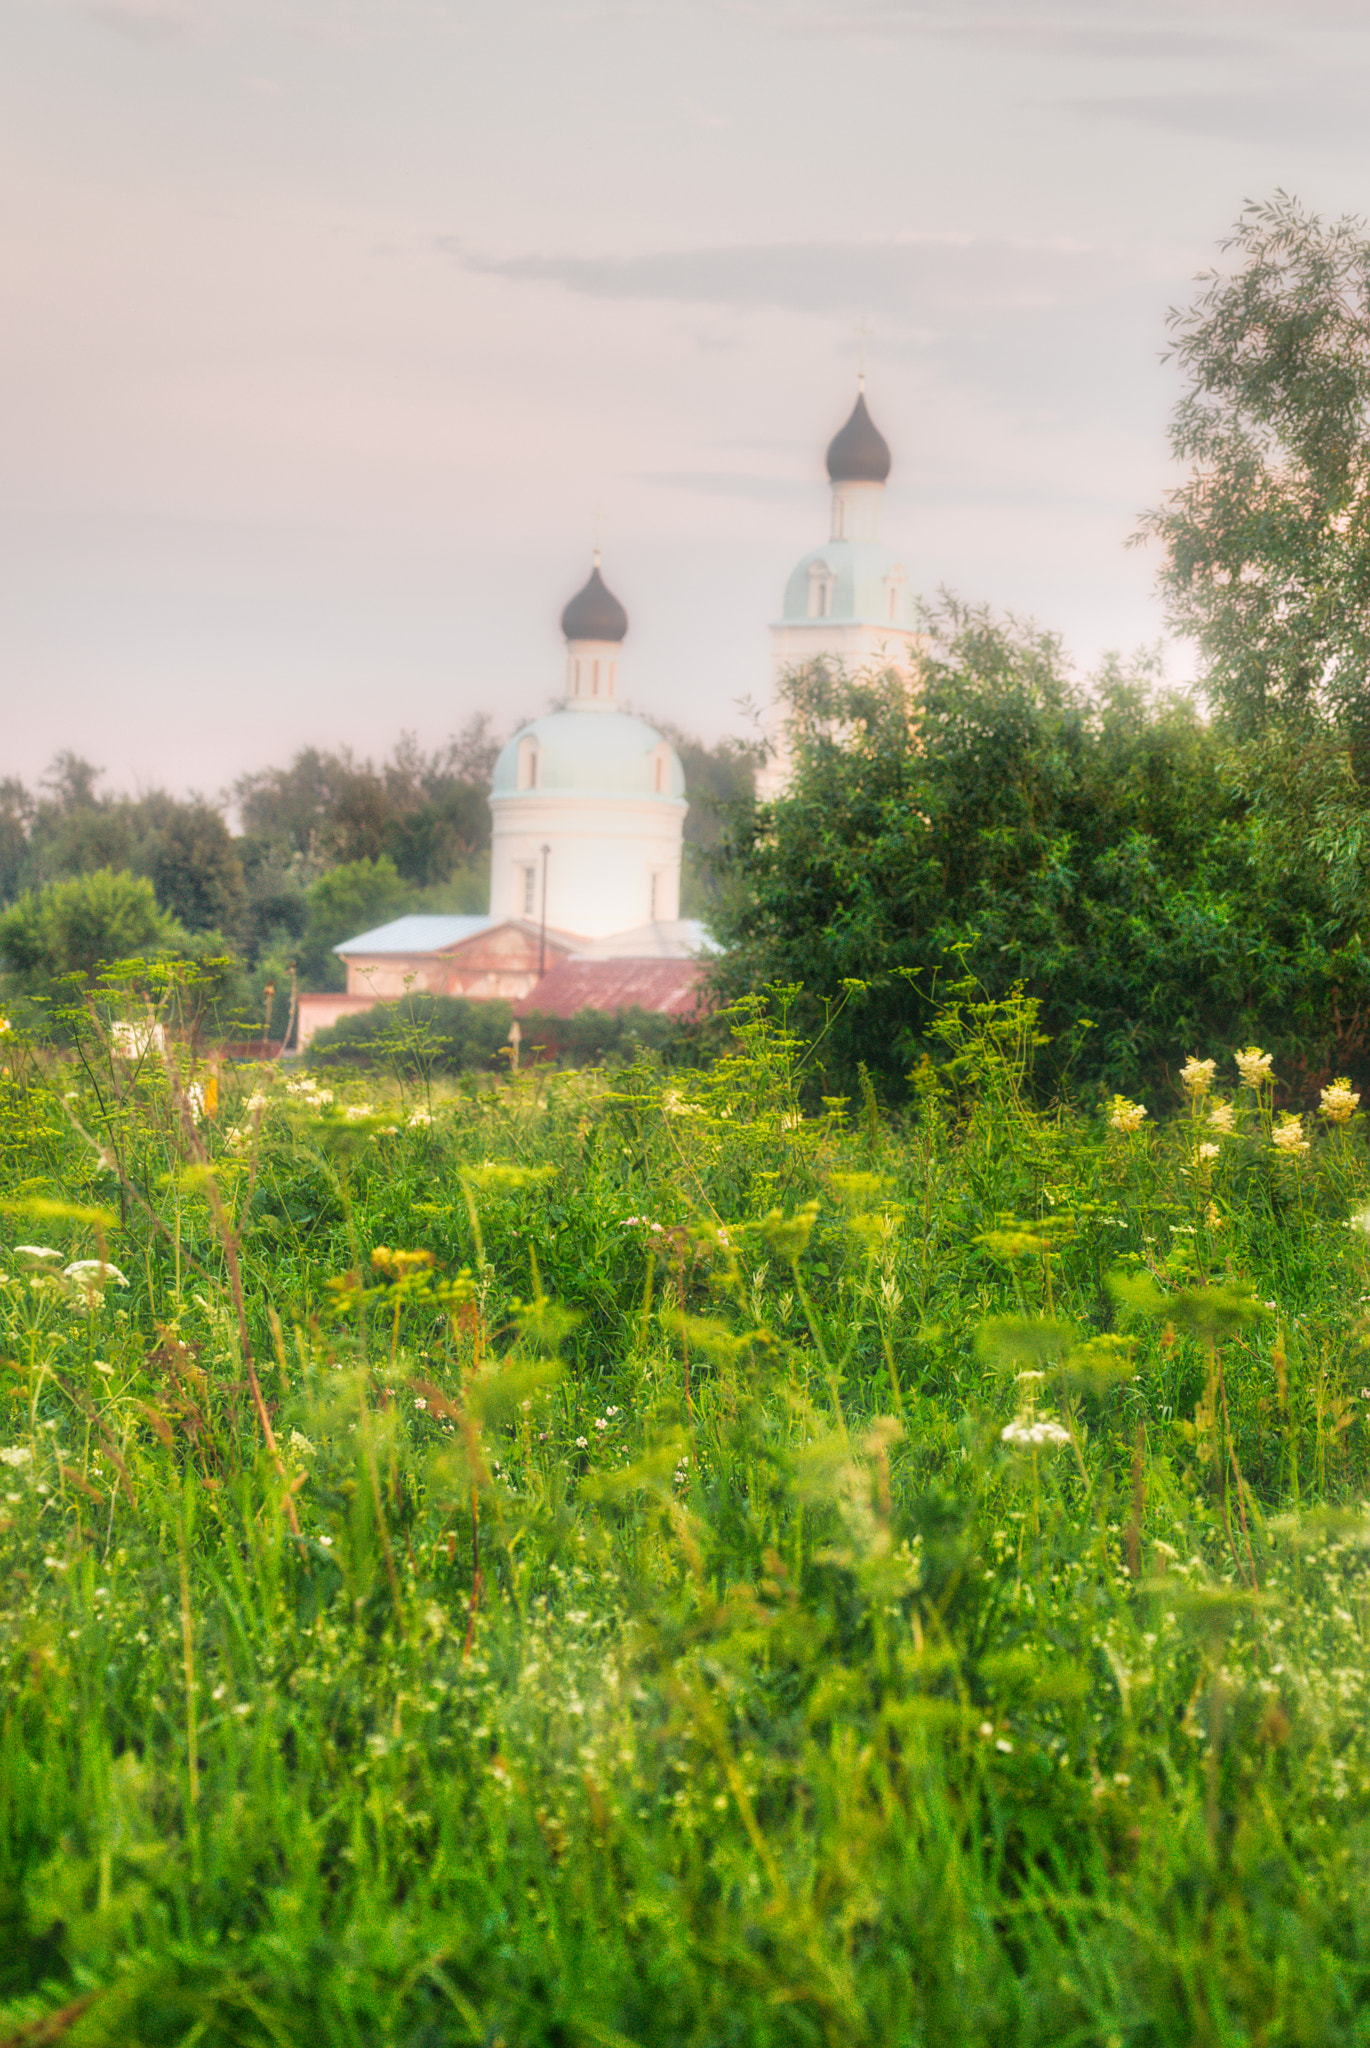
(333, 331)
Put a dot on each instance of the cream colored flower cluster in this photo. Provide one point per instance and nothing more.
(1127, 1116)
(1196, 1076)
(1254, 1067)
(1339, 1101)
(1288, 1136)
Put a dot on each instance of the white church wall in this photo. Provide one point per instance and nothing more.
(614, 861)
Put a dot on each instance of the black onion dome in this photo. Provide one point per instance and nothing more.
(594, 613)
(859, 452)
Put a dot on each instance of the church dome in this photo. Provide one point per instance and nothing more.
(859, 453)
(850, 582)
(594, 613)
(565, 753)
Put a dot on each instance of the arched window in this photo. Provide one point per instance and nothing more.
(894, 594)
(528, 763)
(820, 590)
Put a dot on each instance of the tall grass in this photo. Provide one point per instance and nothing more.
(624, 1558)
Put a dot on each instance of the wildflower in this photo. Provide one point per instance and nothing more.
(355, 1111)
(1254, 1067)
(15, 1455)
(1222, 1116)
(36, 1251)
(1004, 1745)
(93, 1273)
(1359, 1219)
(419, 1117)
(1340, 1101)
(1197, 1076)
(1288, 1136)
(600, 1423)
(582, 1443)
(1033, 1377)
(300, 1442)
(5, 1027)
(1127, 1116)
(1208, 1153)
(420, 1403)
(1030, 1434)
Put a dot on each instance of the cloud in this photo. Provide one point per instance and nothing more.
(1307, 114)
(910, 281)
(142, 21)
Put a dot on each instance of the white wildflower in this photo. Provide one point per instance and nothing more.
(36, 1251)
(300, 1442)
(1222, 1116)
(94, 1273)
(1254, 1066)
(1197, 1076)
(1359, 1220)
(1127, 1116)
(582, 1443)
(1288, 1136)
(355, 1111)
(1208, 1153)
(1339, 1102)
(1031, 1434)
(15, 1455)
(420, 1117)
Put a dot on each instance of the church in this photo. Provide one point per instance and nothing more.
(588, 802)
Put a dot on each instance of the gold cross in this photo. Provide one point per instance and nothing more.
(864, 329)
(599, 524)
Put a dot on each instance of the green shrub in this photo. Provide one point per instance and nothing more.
(417, 1034)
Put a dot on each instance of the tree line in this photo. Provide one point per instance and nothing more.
(325, 847)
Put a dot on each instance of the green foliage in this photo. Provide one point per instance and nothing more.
(77, 926)
(344, 902)
(602, 1037)
(416, 1036)
(627, 1560)
(1099, 847)
(1267, 545)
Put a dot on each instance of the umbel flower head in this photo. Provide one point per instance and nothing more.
(1197, 1076)
(1339, 1102)
(1254, 1067)
(1025, 1433)
(1288, 1137)
(1127, 1116)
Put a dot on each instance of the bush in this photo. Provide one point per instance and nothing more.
(419, 1034)
(599, 1037)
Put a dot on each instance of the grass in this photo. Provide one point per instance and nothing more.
(543, 1564)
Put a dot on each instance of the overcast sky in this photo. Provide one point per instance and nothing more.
(328, 327)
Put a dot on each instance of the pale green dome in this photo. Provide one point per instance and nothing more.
(850, 582)
(584, 753)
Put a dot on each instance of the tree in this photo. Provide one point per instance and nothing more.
(82, 924)
(1093, 844)
(344, 902)
(1267, 546)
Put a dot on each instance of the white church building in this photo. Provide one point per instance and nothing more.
(587, 821)
(588, 802)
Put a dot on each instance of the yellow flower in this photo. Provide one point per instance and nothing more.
(1340, 1101)
(1197, 1076)
(1127, 1116)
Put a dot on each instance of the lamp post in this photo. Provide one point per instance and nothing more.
(542, 935)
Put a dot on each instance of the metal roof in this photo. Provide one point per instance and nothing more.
(416, 934)
(670, 988)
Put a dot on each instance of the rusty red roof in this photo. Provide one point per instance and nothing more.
(671, 988)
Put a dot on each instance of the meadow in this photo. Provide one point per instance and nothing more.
(640, 1557)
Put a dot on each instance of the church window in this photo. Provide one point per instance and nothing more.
(894, 591)
(594, 686)
(528, 764)
(820, 590)
(530, 890)
(659, 772)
